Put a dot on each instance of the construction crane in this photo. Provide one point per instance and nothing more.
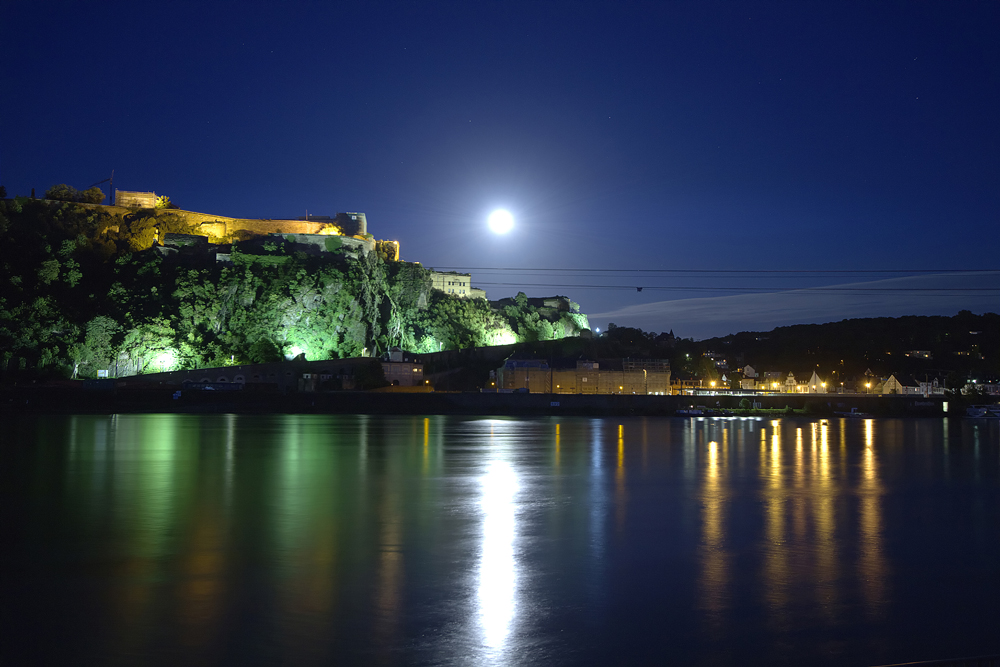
(111, 184)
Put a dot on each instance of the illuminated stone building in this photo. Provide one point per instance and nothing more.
(609, 376)
(459, 284)
(130, 199)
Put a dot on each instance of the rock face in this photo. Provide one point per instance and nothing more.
(213, 229)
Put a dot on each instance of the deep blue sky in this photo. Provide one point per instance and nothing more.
(798, 135)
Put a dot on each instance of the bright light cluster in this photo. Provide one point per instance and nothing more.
(501, 221)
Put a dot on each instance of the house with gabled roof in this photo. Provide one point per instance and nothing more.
(932, 386)
(805, 382)
(900, 384)
(771, 381)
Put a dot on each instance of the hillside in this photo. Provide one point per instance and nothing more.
(86, 289)
(966, 344)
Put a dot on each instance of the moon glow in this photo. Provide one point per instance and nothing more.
(501, 221)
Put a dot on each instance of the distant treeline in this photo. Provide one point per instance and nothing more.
(84, 291)
(965, 344)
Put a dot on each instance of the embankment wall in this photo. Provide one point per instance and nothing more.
(65, 400)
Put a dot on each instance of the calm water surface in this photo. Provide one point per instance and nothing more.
(180, 539)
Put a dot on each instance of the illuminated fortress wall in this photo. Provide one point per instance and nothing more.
(221, 229)
(130, 199)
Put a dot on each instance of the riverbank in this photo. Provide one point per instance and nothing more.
(64, 400)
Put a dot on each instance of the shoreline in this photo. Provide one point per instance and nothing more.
(62, 400)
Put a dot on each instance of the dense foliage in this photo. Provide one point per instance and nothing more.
(63, 192)
(85, 291)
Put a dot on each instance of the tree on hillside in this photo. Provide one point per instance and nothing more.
(92, 195)
(62, 192)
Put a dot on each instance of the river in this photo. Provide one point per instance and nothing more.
(169, 539)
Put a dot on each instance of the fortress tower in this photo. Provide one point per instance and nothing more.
(353, 224)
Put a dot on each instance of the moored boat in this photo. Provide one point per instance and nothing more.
(854, 412)
(983, 412)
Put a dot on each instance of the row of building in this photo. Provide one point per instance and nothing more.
(611, 376)
(809, 382)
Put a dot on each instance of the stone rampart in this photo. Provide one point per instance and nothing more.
(212, 225)
(222, 228)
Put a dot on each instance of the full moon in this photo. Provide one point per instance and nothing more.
(501, 221)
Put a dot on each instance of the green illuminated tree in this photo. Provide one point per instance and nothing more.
(142, 344)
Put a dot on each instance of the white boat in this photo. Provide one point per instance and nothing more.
(983, 412)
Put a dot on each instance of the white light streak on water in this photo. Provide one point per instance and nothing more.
(497, 567)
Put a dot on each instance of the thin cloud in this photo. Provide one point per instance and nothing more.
(718, 316)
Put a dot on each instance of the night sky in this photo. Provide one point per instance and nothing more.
(644, 140)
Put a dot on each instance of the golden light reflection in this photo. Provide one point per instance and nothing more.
(799, 477)
(427, 440)
(557, 445)
(497, 567)
(620, 481)
(872, 561)
(824, 495)
(714, 558)
(776, 570)
(200, 593)
(798, 506)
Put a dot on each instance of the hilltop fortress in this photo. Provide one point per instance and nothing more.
(172, 230)
(351, 228)
(345, 231)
